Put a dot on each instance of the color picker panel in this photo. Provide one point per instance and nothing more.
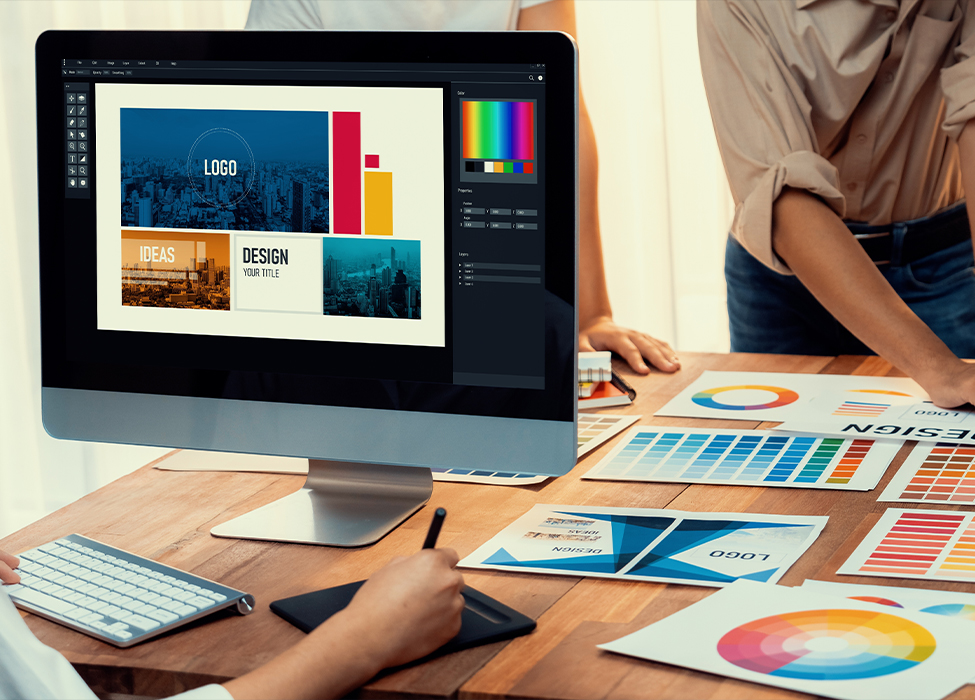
(913, 544)
(946, 475)
(498, 130)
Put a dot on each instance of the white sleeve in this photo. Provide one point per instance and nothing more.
(206, 692)
(30, 669)
(283, 14)
(525, 4)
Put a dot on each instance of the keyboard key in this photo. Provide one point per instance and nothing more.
(163, 616)
(45, 601)
(200, 602)
(90, 618)
(219, 597)
(141, 622)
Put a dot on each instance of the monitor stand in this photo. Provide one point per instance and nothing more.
(342, 504)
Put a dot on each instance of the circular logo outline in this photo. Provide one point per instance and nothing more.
(189, 170)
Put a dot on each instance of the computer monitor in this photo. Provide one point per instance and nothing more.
(356, 247)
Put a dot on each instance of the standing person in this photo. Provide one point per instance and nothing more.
(597, 330)
(845, 129)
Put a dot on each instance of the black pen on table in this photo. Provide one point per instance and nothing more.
(435, 524)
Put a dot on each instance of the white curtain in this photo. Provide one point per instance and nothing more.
(664, 206)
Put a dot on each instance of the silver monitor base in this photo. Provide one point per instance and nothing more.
(342, 504)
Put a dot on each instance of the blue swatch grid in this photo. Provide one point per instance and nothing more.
(662, 454)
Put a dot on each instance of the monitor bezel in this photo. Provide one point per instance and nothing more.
(109, 402)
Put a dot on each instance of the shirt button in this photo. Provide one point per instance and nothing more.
(889, 77)
(852, 187)
(862, 138)
(891, 15)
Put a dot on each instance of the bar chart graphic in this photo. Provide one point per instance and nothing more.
(941, 472)
(747, 457)
(362, 193)
(927, 544)
(868, 403)
(498, 141)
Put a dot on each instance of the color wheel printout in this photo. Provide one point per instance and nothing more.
(945, 603)
(812, 643)
(779, 396)
(704, 549)
(746, 458)
(924, 544)
(935, 472)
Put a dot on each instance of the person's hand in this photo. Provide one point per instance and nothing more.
(411, 606)
(632, 346)
(953, 385)
(8, 562)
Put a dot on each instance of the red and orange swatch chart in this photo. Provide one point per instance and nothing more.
(941, 472)
(927, 544)
(362, 201)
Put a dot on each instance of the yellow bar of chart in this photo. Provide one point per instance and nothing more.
(378, 204)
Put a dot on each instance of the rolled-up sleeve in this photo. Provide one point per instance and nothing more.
(958, 80)
(762, 122)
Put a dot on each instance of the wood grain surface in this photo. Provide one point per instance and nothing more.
(167, 516)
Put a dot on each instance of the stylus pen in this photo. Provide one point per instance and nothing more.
(431, 541)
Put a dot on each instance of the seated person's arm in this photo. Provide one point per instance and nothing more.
(597, 331)
(406, 610)
(812, 240)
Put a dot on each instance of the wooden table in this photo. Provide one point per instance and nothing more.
(167, 516)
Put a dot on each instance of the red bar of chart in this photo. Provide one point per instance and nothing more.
(346, 173)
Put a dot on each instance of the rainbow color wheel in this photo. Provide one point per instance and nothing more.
(966, 612)
(706, 398)
(828, 645)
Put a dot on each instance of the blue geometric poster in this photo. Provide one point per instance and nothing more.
(707, 549)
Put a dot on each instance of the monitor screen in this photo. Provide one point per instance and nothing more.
(343, 246)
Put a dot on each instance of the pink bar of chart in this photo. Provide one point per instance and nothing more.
(346, 173)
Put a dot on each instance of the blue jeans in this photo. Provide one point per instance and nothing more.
(774, 313)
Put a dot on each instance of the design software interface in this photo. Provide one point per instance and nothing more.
(359, 204)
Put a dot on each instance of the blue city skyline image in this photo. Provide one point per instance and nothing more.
(253, 170)
(371, 277)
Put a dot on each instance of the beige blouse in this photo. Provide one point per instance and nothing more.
(857, 101)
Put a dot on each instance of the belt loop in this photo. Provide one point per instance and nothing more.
(897, 244)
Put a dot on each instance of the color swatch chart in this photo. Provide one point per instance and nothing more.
(596, 428)
(941, 472)
(746, 457)
(923, 544)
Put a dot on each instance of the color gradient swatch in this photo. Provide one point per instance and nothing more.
(498, 130)
(941, 472)
(927, 544)
(828, 645)
(747, 457)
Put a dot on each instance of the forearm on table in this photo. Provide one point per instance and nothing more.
(818, 247)
(330, 662)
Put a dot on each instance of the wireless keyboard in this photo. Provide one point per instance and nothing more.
(113, 595)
